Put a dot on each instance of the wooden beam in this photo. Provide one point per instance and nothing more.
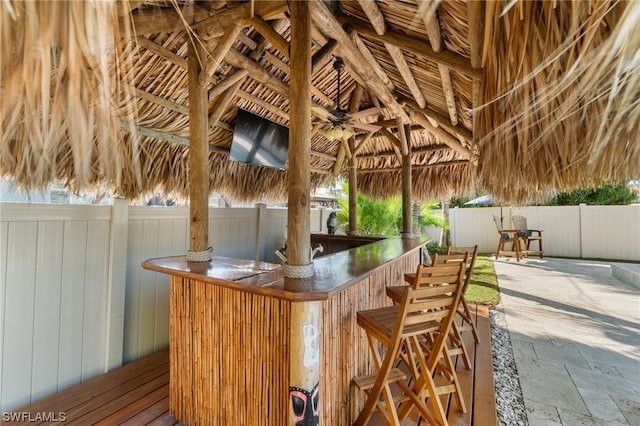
(418, 151)
(476, 12)
(353, 191)
(323, 155)
(323, 55)
(256, 72)
(408, 43)
(403, 137)
(163, 20)
(416, 167)
(198, 158)
(267, 31)
(214, 26)
(443, 135)
(167, 137)
(284, 67)
(395, 143)
(376, 18)
(438, 119)
(362, 142)
(407, 226)
(428, 11)
(337, 166)
(299, 180)
(266, 105)
(159, 100)
(219, 52)
(447, 87)
(328, 24)
(162, 51)
(233, 78)
(372, 61)
(221, 107)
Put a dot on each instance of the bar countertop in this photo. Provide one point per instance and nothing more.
(333, 272)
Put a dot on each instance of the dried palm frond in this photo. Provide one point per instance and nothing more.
(563, 86)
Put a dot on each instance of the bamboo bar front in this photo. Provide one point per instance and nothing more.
(230, 329)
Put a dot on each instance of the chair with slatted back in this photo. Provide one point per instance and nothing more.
(427, 308)
(507, 236)
(528, 235)
(456, 344)
(463, 308)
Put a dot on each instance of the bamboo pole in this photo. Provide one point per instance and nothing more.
(198, 159)
(298, 216)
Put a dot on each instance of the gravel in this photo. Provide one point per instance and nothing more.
(509, 399)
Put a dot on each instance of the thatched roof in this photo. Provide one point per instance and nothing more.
(524, 98)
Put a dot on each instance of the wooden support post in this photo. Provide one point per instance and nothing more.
(304, 371)
(406, 184)
(198, 160)
(353, 191)
(298, 217)
(304, 367)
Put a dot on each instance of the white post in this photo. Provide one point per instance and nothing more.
(260, 219)
(116, 283)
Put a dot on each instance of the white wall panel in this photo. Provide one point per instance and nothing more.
(46, 345)
(153, 232)
(95, 297)
(611, 232)
(52, 324)
(4, 227)
(72, 300)
(18, 314)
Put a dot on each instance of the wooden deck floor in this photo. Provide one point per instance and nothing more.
(138, 393)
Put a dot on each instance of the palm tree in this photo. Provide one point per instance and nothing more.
(385, 217)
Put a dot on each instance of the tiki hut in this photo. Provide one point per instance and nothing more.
(523, 98)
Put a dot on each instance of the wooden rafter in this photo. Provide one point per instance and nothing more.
(377, 20)
(327, 23)
(443, 135)
(159, 100)
(453, 60)
(214, 25)
(416, 167)
(267, 31)
(219, 52)
(431, 22)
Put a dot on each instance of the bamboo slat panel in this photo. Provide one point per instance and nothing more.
(344, 348)
(229, 355)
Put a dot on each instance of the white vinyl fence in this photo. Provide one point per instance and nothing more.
(603, 232)
(75, 302)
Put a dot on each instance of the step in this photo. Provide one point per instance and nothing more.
(628, 273)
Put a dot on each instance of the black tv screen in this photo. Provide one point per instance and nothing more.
(258, 140)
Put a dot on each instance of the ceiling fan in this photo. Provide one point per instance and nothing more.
(343, 124)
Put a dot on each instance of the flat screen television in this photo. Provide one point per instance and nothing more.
(258, 140)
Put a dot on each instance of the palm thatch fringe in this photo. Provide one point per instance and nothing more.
(571, 121)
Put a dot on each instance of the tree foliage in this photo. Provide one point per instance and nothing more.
(604, 196)
(384, 217)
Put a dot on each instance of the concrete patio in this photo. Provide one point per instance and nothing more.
(575, 331)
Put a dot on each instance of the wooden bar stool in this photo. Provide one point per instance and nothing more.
(455, 345)
(463, 308)
(402, 329)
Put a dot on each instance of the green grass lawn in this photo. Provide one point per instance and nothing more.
(483, 287)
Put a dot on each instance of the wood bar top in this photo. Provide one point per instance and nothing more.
(333, 273)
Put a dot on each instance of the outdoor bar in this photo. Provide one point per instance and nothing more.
(234, 338)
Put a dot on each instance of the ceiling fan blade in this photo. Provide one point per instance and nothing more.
(365, 113)
(322, 113)
(364, 126)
